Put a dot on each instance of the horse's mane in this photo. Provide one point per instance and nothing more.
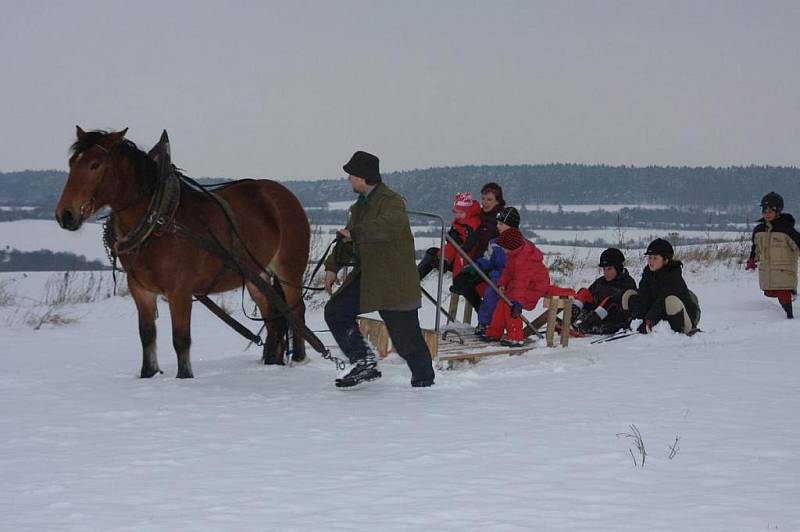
(144, 167)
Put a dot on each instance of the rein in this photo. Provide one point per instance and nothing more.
(160, 219)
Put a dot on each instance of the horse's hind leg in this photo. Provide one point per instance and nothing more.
(146, 307)
(298, 343)
(294, 298)
(276, 328)
(180, 309)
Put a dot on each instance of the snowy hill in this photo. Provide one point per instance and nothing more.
(514, 443)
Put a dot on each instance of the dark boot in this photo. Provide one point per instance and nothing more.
(788, 308)
(363, 371)
(428, 263)
(676, 322)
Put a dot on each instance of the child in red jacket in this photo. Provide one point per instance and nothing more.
(466, 219)
(524, 280)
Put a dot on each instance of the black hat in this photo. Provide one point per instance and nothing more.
(612, 257)
(773, 200)
(659, 246)
(364, 165)
(509, 216)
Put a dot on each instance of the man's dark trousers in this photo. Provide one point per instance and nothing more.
(403, 326)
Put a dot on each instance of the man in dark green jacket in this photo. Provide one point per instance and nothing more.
(377, 243)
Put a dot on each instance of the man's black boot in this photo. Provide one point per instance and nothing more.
(362, 372)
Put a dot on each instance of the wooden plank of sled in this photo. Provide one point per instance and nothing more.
(467, 313)
(474, 356)
(375, 331)
(566, 320)
(453, 306)
(453, 310)
(554, 304)
(432, 340)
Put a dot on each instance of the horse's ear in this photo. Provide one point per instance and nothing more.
(80, 132)
(162, 146)
(115, 139)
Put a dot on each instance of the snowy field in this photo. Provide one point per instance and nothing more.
(33, 235)
(510, 444)
(590, 207)
(612, 234)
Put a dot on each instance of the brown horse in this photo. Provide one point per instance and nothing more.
(106, 169)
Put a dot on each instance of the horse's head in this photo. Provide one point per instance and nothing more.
(92, 169)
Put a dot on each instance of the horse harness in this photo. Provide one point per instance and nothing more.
(160, 220)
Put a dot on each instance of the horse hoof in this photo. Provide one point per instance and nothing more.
(273, 362)
(146, 373)
(302, 359)
(184, 375)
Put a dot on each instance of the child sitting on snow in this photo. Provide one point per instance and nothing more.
(524, 280)
(466, 220)
(775, 248)
(598, 309)
(663, 293)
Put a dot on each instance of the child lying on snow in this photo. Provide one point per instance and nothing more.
(524, 280)
(775, 247)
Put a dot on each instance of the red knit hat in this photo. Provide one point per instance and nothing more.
(463, 202)
(510, 239)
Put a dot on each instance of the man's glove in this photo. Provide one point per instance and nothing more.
(516, 310)
(645, 327)
(751, 264)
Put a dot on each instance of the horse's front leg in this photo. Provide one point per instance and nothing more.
(180, 309)
(147, 309)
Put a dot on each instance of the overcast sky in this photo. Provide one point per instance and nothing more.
(288, 90)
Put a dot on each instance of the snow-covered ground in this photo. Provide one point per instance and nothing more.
(513, 443)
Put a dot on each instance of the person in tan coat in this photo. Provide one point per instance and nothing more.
(776, 245)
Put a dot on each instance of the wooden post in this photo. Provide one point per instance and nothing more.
(552, 310)
(432, 339)
(566, 321)
(453, 306)
(467, 312)
(375, 331)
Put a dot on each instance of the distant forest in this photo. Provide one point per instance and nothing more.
(732, 191)
(12, 260)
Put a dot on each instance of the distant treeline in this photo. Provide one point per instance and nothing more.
(729, 189)
(12, 260)
(706, 187)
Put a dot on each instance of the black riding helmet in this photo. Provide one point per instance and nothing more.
(773, 200)
(612, 257)
(659, 246)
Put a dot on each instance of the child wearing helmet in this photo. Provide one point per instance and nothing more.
(776, 244)
(663, 293)
(598, 309)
